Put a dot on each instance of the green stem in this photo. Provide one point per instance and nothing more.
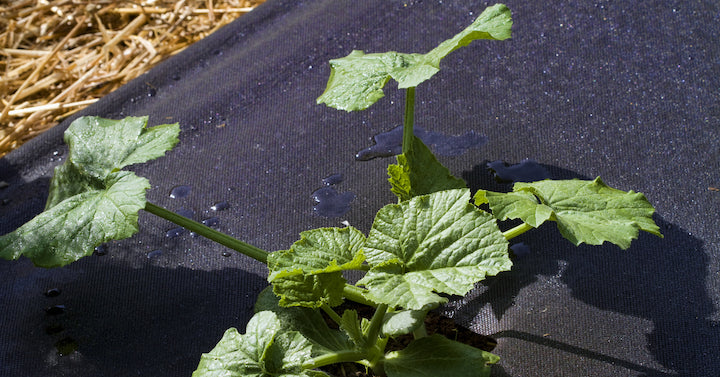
(516, 231)
(409, 120)
(373, 330)
(354, 293)
(210, 233)
(331, 313)
(420, 332)
(332, 358)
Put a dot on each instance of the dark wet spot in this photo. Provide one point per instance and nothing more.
(330, 203)
(52, 292)
(388, 144)
(526, 171)
(66, 346)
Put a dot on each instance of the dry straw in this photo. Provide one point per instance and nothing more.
(56, 57)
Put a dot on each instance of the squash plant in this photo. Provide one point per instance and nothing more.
(434, 242)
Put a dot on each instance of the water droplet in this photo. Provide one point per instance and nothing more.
(55, 310)
(186, 213)
(100, 250)
(66, 346)
(333, 179)
(174, 232)
(211, 222)
(526, 171)
(54, 329)
(220, 206)
(226, 254)
(520, 249)
(154, 253)
(330, 203)
(181, 191)
(4, 184)
(388, 144)
(52, 292)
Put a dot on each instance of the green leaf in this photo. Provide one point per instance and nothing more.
(585, 211)
(310, 272)
(73, 228)
(100, 146)
(431, 243)
(402, 321)
(436, 355)
(418, 172)
(356, 81)
(309, 322)
(263, 351)
(91, 201)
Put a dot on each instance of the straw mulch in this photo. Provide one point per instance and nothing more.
(57, 57)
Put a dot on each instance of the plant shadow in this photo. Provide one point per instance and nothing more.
(658, 279)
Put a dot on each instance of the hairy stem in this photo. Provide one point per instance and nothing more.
(210, 233)
(409, 120)
(516, 231)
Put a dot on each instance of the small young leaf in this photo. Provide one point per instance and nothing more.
(310, 272)
(436, 355)
(356, 81)
(263, 351)
(309, 322)
(72, 228)
(437, 242)
(418, 172)
(585, 211)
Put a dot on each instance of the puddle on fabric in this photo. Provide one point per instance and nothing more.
(328, 201)
(154, 253)
(526, 171)
(181, 191)
(388, 144)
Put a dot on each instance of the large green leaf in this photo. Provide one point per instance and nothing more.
(91, 201)
(431, 243)
(310, 272)
(585, 211)
(72, 229)
(356, 81)
(263, 351)
(436, 355)
(418, 172)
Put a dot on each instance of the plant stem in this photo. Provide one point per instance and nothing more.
(355, 294)
(332, 358)
(409, 120)
(210, 233)
(516, 231)
(373, 330)
(331, 313)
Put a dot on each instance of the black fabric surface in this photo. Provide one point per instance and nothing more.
(628, 91)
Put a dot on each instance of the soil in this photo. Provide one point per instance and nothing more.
(434, 324)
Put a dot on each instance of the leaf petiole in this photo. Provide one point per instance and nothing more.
(409, 119)
(516, 231)
(334, 357)
(210, 233)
